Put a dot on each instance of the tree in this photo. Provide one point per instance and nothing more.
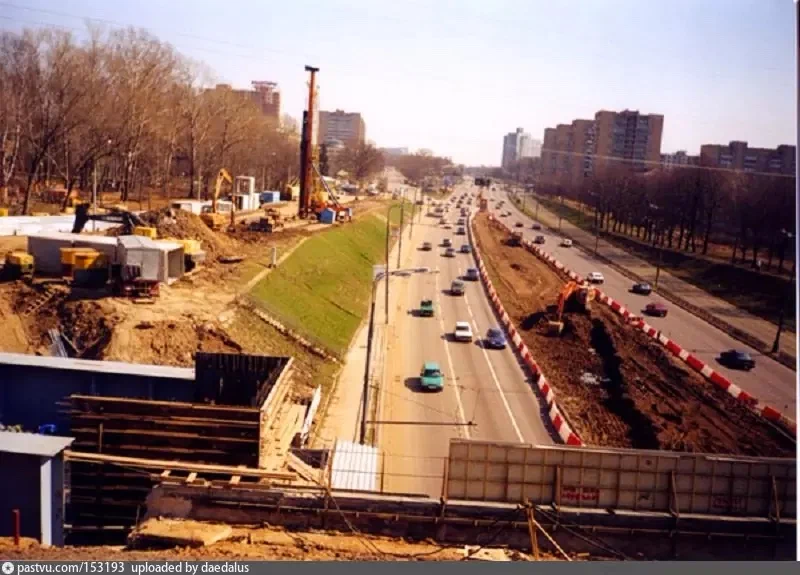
(323, 160)
(362, 161)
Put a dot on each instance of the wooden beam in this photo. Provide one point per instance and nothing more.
(176, 465)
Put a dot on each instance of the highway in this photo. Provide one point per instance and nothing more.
(484, 387)
(770, 381)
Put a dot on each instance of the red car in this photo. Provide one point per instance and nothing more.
(656, 309)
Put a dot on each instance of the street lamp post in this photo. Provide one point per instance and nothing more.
(386, 261)
(377, 275)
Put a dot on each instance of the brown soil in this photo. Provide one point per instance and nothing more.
(645, 398)
(181, 224)
(262, 543)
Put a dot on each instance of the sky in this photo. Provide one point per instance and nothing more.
(454, 76)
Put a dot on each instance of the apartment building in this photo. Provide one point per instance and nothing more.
(739, 156)
(516, 145)
(679, 159)
(265, 95)
(348, 128)
(628, 139)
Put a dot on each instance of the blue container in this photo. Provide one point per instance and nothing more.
(327, 216)
(270, 197)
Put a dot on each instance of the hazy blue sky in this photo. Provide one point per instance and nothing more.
(454, 76)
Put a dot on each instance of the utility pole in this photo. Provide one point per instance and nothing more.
(306, 146)
(400, 232)
(94, 194)
(789, 293)
(370, 331)
(413, 213)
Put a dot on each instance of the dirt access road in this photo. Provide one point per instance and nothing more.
(644, 398)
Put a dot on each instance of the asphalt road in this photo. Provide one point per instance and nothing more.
(770, 381)
(485, 388)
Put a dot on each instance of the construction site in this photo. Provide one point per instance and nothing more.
(624, 389)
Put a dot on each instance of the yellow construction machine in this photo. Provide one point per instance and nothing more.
(210, 216)
(581, 293)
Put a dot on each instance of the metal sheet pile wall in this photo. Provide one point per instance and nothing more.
(622, 479)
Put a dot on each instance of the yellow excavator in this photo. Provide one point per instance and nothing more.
(582, 293)
(210, 216)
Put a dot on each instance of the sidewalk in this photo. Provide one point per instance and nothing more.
(746, 327)
(343, 414)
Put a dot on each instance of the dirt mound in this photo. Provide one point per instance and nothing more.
(181, 224)
(618, 387)
(167, 342)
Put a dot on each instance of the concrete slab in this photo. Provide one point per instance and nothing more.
(175, 532)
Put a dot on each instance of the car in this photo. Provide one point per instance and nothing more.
(450, 253)
(446, 242)
(472, 274)
(457, 287)
(504, 215)
(495, 339)
(426, 308)
(536, 227)
(518, 225)
(442, 221)
(539, 240)
(566, 242)
(461, 231)
(642, 288)
(656, 309)
(462, 332)
(595, 278)
(736, 359)
(460, 221)
(448, 226)
(427, 246)
(465, 249)
(431, 376)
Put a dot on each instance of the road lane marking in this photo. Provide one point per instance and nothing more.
(496, 380)
(450, 364)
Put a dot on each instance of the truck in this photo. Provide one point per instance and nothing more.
(426, 308)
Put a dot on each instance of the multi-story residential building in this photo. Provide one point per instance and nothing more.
(678, 159)
(573, 152)
(628, 139)
(738, 156)
(516, 145)
(265, 95)
(348, 128)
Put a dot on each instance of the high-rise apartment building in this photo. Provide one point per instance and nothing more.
(348, 128)
(573, 152)
(516, 145)
(265, 95)
(679, 159)
(738, 156)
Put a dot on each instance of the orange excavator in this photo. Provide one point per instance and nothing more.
(582, 293)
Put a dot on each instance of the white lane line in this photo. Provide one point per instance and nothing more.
(496, 380)
(450, 363)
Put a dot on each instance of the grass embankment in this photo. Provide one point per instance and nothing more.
(322, 290)
(760, 294)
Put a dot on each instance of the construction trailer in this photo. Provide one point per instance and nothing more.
(270, 197)
(193, 206)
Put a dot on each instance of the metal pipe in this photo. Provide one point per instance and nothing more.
(17, 531)
(400, 233)
(370, 332)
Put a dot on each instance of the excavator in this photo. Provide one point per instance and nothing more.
(582, 293)
(127, 220)
(318, 202)
(210, 216)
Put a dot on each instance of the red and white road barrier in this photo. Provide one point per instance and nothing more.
(556, 415)
(696, 364)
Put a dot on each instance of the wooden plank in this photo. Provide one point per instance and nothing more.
(166, 435)
(235, 480)
(174, 465)
(151, 403)
(177, 420)
(192, 476)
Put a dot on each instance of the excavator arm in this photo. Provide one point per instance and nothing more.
(223, 175)
(127, 220)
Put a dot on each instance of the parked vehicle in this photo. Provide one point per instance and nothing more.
(656, 309)
(642, 288)
(473, 274)
(495, 339)
(736, 359)
(595, 278)
(457, 288)
(431, 376)
(463, 332)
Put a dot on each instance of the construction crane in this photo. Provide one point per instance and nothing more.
(211, 217)
(583, 293)
(127, 220)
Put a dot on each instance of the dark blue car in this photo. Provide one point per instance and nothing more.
(495, 339)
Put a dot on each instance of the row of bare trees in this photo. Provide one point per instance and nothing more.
(131, 107)
(694, 209)
(361, 161)
(419, 166)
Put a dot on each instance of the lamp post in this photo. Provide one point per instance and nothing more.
(377, 275)
(386, 260)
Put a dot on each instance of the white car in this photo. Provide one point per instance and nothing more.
(566, 242)
(463, 332)
(595, 278)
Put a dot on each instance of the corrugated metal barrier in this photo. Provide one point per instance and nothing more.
(622, 479)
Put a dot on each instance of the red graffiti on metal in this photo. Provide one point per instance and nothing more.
(735, 503)
(580, 494)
